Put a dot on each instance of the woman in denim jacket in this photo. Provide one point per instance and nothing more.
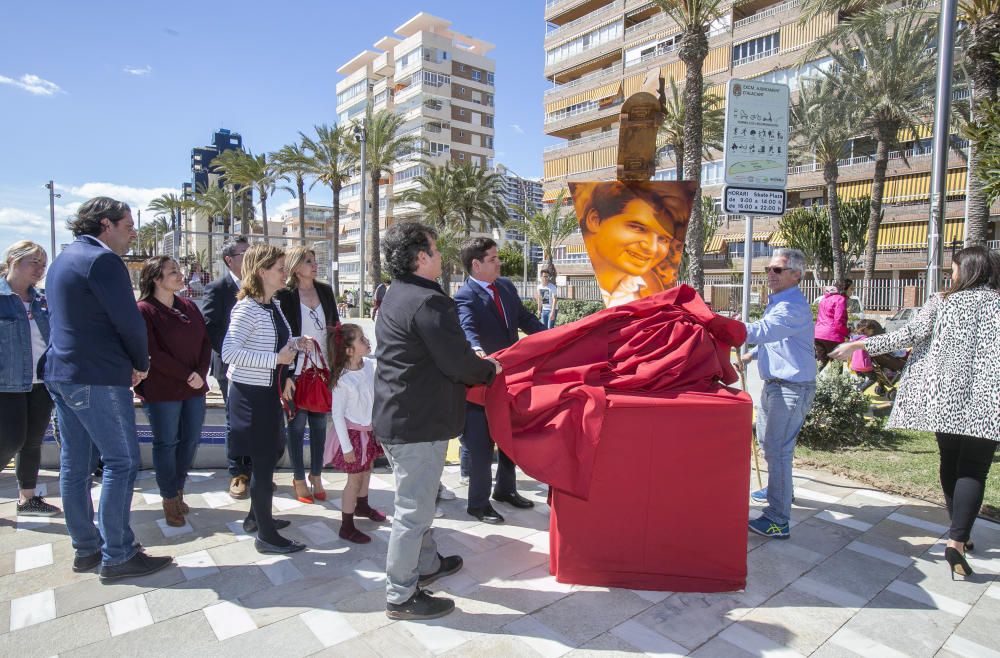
(25, 405)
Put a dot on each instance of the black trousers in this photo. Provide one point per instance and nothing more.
(23, 419)
(257, 429)
(477, 440)
(965, 463)
(238, 464)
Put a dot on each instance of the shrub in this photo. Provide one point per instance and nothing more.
(531, 306)
(571, 310)
(837, 418)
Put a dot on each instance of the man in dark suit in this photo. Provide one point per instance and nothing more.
(97, 351)
(491, 312)
(220, 298)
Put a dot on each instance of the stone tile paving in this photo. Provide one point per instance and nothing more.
(863, 575)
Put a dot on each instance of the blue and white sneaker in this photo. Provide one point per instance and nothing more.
(760, 496)
(768, 528)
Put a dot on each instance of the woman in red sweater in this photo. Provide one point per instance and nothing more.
(174, 391)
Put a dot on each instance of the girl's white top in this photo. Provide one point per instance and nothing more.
(352, 400)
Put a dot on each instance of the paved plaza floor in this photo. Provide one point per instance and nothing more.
(863, 574)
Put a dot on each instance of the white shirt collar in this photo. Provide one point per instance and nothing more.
(234, 277)
(483, 284)
(93, 240)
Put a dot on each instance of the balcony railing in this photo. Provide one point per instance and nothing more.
(869, 159)
(653, 55)
(569, 27)
(755, 57)
(610, 72)
(611, 134)
(770, 11)
(656, 19)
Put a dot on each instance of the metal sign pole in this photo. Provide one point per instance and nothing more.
(747, 267)
(359, 133)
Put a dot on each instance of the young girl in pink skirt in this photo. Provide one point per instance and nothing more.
(350, 445)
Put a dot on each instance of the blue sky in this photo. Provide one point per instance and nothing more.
(110, 97)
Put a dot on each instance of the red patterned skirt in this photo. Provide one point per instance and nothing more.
(366, 448)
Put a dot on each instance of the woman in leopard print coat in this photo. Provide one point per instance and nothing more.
(951, 383)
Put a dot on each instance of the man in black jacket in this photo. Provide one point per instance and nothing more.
(424, 366)
(220, 298)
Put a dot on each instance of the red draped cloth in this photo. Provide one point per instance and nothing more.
(546, 410)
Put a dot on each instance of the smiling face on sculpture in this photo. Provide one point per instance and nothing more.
(634, 234)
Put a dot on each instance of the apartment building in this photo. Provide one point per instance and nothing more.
(442, 83)
(597, 52)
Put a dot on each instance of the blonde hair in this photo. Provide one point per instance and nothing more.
(293, 258)
(19, 251)
(258, 257)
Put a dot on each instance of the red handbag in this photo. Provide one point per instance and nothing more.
(312, 387)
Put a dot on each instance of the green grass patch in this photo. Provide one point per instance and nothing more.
(905, 462)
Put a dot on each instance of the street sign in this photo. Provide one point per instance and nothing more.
(756, 141)
(753, 201)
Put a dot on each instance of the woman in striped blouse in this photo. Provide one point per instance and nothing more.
(257, 343)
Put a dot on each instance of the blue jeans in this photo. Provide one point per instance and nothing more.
(176, 429)
(317, 441)
(549, 320)
(782, 411)
(101, 419)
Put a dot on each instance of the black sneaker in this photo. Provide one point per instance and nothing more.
(419, 606)
(139, 564)
(87, 562)
(449, 565)
(36, 506)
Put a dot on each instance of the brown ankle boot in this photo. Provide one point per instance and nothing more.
(172, 512)
(180, 500)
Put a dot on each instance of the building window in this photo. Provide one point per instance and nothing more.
(754, 49)
(461, 111)
(490, 78)
(461, 156)
(461, 67)
(358, 88)
(585, 42)
(461, 90)
(488, 120)
(461, 133)
(477, 76)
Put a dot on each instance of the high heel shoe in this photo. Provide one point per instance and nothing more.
(317, 487)
(302, 493)
(957, 563)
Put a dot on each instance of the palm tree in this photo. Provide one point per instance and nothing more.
(890, 69)
(694, 18)
(477, 197)
(172, 205)
(823, 117)
(383, 148)
(330, 162)
(980, 38)
(292, 160)
(254, 171)
(210, 203)
(548, 229)
(449, 243)
(435, 194)
(671, 137)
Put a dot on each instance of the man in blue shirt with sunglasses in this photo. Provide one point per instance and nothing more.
(783, 341)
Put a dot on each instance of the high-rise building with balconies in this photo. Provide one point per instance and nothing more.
(597, 52)
(442, 83)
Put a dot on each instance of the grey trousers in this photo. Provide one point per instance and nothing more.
(412, 549)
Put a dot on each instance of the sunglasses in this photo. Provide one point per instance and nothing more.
(183, 318)
(320, 324)
(777, 270)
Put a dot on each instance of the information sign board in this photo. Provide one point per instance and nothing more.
(753, 201)
(756, 139)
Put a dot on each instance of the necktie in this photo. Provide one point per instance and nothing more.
(496, 300)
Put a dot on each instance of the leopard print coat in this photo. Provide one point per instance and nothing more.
(951, 382)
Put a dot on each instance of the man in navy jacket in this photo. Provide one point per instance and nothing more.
(97, 351)
(491, 312)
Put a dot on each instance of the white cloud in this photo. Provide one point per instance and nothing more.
(32, 84)
(22, 221)
(290, 206)
(136, 197)
(138, 70)
(516, 128)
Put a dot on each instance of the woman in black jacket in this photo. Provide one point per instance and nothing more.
(311, 308)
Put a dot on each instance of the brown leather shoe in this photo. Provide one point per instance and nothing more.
(172, 512)
(239, 487)
(180, 500)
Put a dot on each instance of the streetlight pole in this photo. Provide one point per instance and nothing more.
(52, 215)
(939, 166)
(361, 135)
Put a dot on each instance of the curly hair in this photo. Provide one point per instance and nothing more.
(338, 340)
(258, 257)
(401, 245)
(87, 220)
(152, 271)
